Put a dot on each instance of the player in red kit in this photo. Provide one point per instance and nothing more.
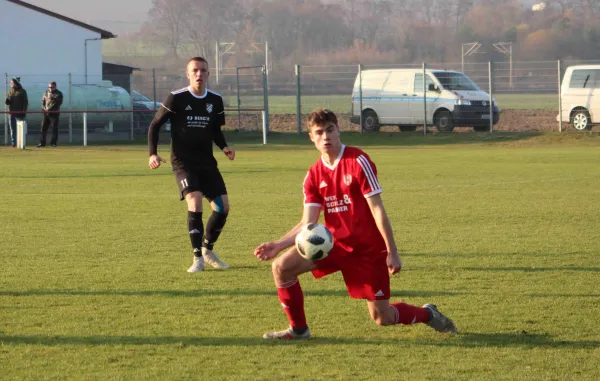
(343, 184)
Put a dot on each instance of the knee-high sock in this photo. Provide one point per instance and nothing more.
(214, 226)
(292, 301)
(408, 314)
(196, 229)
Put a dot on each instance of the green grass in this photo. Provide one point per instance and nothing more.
(286, 104)
(500, 232)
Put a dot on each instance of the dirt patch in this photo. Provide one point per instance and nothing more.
(510, 120)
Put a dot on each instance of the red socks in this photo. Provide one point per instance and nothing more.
(292, 301)
(407, 314)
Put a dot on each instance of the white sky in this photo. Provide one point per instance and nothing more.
(116, 16)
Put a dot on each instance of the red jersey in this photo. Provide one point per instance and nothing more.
(341, 191)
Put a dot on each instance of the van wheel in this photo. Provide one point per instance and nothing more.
(481, 128)
(407, 128)
(370, 121)
(444, 122)
(581, 120)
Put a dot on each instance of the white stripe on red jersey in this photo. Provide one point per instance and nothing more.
(371, 177)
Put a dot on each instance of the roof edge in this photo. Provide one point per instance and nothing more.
(104, 34)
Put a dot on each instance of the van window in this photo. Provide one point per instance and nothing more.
(585, 79)
(455, 81)
(419, 82)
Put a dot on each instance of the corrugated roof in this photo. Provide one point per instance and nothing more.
(103, 33)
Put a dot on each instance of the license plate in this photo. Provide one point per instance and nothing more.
(485, 116)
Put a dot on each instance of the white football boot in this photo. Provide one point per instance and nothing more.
(211, 258)
(197, 266)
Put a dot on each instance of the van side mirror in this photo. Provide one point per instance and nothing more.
(433, 87)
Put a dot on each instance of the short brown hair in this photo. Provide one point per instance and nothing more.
(198, 59)
(321, 117)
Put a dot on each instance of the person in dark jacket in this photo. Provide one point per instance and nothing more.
(17, 103)
(51, 102)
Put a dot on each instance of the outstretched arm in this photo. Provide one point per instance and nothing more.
(385, 228)
(269, 250)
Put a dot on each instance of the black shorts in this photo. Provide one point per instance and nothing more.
(207, 181)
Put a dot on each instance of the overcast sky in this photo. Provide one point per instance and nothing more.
(116, 16)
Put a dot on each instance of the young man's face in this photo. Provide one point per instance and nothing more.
(326, 138)
(197, 73)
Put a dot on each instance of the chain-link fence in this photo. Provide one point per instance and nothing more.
(527, 94)
(122, 108)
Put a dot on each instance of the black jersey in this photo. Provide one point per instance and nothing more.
(195, 124)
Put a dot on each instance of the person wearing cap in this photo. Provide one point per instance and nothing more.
(17, 103)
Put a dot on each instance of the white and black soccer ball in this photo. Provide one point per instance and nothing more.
(314, 242)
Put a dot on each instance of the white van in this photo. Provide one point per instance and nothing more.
(580, 94)
(395, 97)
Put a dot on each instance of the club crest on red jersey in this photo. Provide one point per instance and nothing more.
(347, 179)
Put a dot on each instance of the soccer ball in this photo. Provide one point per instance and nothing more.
(314, 241)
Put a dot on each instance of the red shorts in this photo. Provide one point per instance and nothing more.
(365, 274)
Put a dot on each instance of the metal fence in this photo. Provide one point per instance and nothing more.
(526, 92)
(123, 108)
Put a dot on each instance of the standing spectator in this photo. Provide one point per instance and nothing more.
(17, 103)
(51, 102)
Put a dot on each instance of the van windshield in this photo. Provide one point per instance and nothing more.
(455, 81)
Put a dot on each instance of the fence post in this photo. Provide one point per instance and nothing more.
(264, 126)
(491, 84)
(237, 81)
(266, 98)
(360, 101)
(424, 99)
(70, 108)
(153, 87)
(85, 129)
(6, 110)
(560, 116)
(298, 100)
(131, 101)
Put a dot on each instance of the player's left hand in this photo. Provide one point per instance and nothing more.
(394, 263)
(229, 152)
(266, 251)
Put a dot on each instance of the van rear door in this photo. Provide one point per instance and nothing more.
(394, 104)
(584, 91)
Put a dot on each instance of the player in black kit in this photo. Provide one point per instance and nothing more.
(196, 116)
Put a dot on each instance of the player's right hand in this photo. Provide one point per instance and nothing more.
(266, 251)
(154, 161)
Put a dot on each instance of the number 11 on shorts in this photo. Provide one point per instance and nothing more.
(184, 183)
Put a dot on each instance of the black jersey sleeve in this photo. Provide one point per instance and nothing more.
(162, 115)
(221, 112)
(218, 136)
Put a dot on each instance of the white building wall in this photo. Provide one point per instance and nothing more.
(40, 48)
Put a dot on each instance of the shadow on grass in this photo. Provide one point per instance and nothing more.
(522, 339)
(533, 268)
(433, 138)
(198, 293)
(382, 138)
(467, 340)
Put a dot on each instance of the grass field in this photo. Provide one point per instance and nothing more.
(501, 232)
(286, 104)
